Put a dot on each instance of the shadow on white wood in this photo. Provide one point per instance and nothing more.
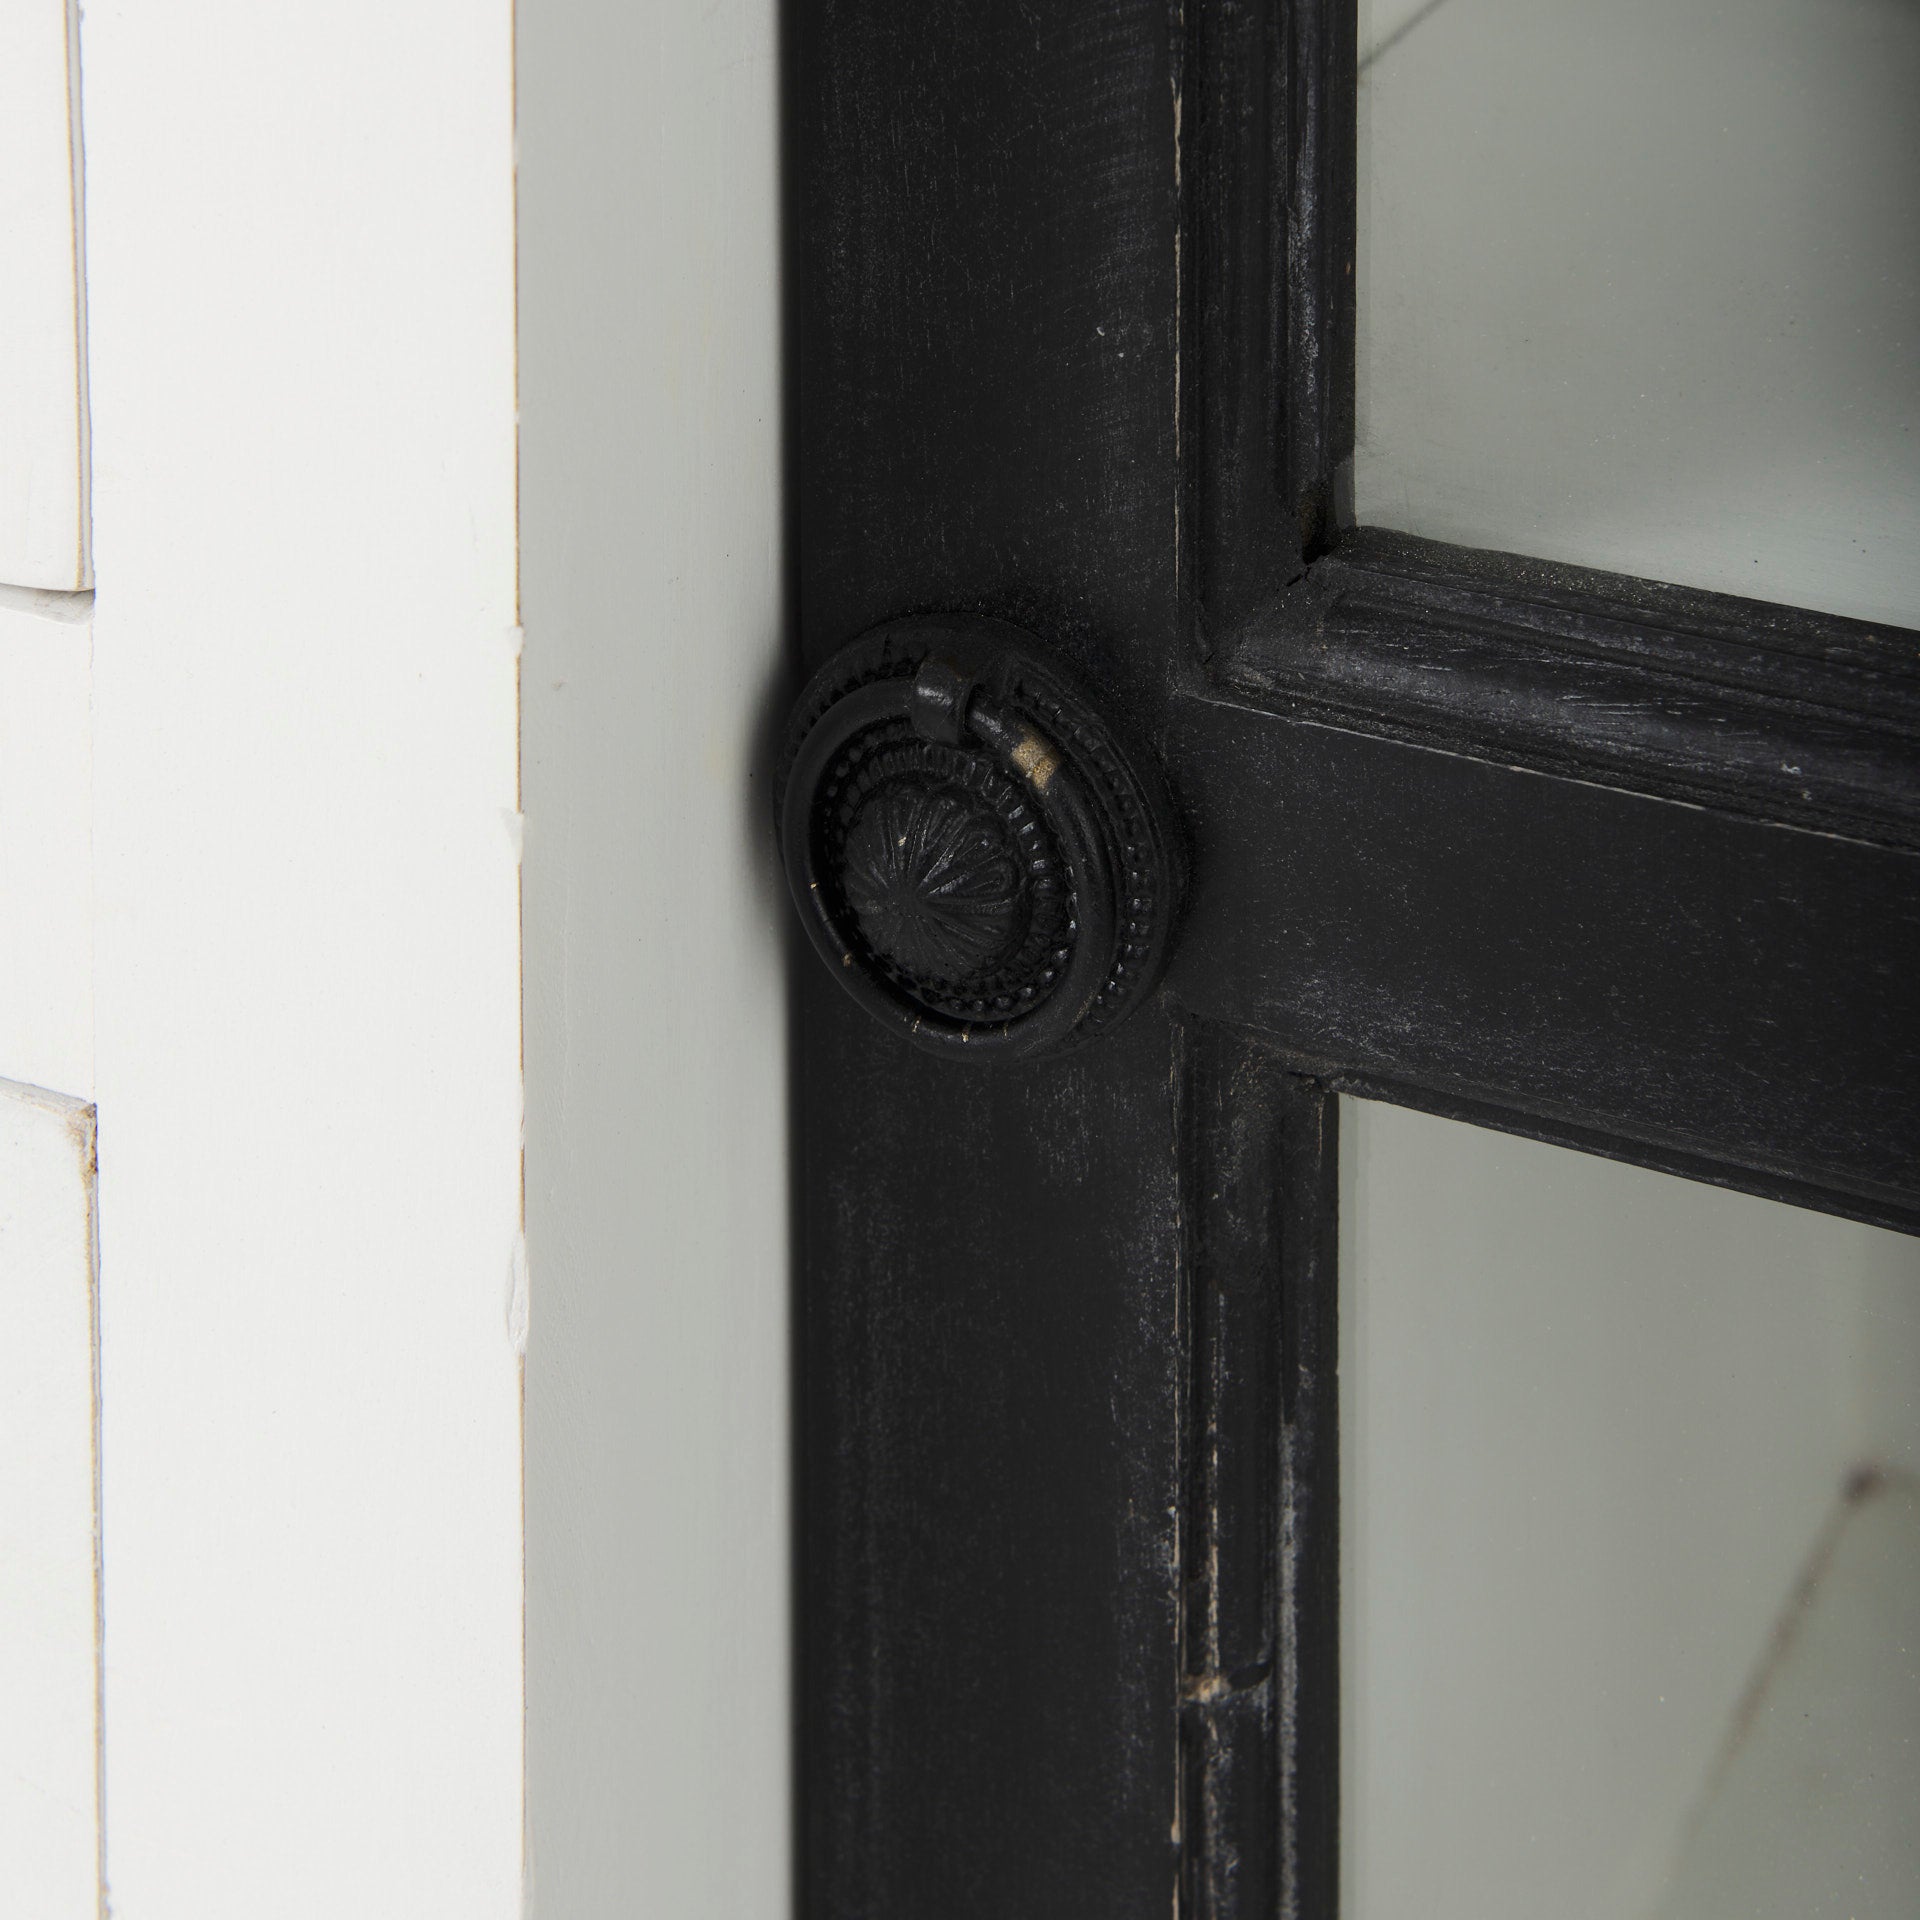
(658, 1562)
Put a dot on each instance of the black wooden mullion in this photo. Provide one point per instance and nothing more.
(1315, 64)
(1071, 346)
(1771, 712)
(1774, 711)
(1309, 1545)
(1667, 1045)
(1231, 1840)
(1259, 1602)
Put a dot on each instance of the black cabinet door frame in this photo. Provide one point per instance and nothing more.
(1620, 865)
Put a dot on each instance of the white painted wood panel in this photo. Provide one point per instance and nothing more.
(46, 840)
(49, 1689)
(300, 260)
(43, 405)
(658, 1556)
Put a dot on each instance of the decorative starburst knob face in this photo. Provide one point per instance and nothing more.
(971, 850)
(933, 881)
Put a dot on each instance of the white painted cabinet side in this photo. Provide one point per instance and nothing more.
(46, 840)
(657, 1549)
(300, 310)
(43, 401)
(49, 1801)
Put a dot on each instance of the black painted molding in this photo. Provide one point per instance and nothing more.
(1766, 711)
(1265, 135)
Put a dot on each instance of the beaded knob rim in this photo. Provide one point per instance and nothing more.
(977, 856)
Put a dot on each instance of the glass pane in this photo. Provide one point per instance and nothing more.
(1630, 1542)
(1639, 288)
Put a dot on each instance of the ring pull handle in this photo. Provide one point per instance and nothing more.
(974, 853)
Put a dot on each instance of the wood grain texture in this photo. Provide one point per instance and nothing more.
(1072, 347)
(984, 330)
(984, 322)
(991, 1364)
(1260, 1721)
(1676, 978)
(1760, 710)
(1267, 232)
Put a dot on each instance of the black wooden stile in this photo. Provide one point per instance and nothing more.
(1622, 866)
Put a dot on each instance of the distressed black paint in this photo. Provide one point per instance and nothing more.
(1684, 979)
(1259, 1482)
(984, 330)
(990, 1553)
(1623, 866)
(1766, 711)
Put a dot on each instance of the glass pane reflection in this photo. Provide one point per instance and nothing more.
(1639, 288)
(1630, 1542)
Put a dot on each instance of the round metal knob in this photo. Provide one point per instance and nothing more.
(974, 853)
